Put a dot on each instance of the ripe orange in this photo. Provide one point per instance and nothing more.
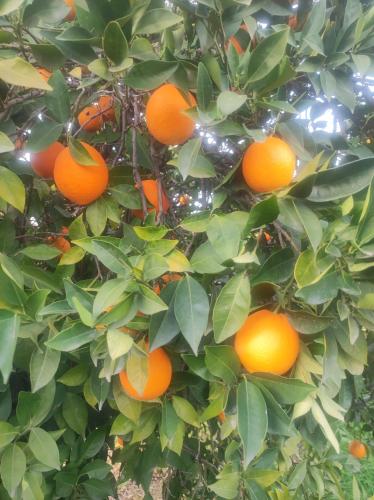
(90, 120)
(267, 343)
(138, 213)
(292, 22)
(45, 74)
(167, 278)
(150, 189)
(64, 230)
(184, 200)
(62, 244)
(43, 162)
(118, 443)
(159, 377)
(357, 449)
(221, 417)
(165, 118)
(72, 13)
(79, 183)
(268, 165)
(106, 105)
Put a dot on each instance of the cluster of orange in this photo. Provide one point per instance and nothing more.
(60, 242)
(92, 118)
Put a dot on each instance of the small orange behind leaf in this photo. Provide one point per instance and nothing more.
(43, 162)
(357, 449)
(90, 119)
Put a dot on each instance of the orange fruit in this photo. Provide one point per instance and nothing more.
(72, 13)
(79, 183)
(292, 22)
(64, 230)
(165, 118)
(150, 189)
(167, 278)
(118, 443)
(268, 165)
(90, 120)
(357, 449)
(157, 289)
(138, 213)
(43, 162)
(106, 105)
(159, 377)
(222, 417)
(62, 244)
(184, 200)
(268, 238)
(45, 74)
(267, 343)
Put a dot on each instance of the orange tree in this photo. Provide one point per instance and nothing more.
(186, 221)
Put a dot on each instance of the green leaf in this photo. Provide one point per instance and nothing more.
(224, 236)
(196, 223)
(80, 153)
(43, 366)
(228, 102)
(96, 215)
(163, 326)
(32, 409)
(267, 54)
(115, 43)
(191, 309)
(325, 426)
(308, 323)
(58, 101)
(137, 370)
(156, 20)
(12, 189)
(41, 252)
(204, 87)
(365, 230)
(127, 196)
(74, 411)
(127, 406)
(149, 302)
(227, 487)
(252, 419)
(6, 145)
(9, 328)
(185, 411)
(285, 390)
(44, 448)
(222, 362)
(322, 291)
(12, 468)
(151, 233)
(148, 75)
(310, 223)
(109, 293)
(187, 157)
(205, 261)
(154, 266)
(75, 376)
(276, 269)
(11, 269)
(169, 420)
(72, 337)
(43, 134)
(340, 182)
(17, 71)
(232, 307)
(7, 433)
(8, 6)
(119, 343)
(264, 212)
(278, 421)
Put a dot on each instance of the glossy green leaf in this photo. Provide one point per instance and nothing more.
(44, 448)
(12, 189)
(156, 20)
(72, 337)
(115, 43)
(222, 362)
(12, 468)
(204, 87)
(119, 343)
(191, 309)
(231, 307)
(6, 145)
(228, 102)
(252, 419)
(148, 75)
(43, 366)
(17, 71)
(9, 328)
(285, 390)
(7, 433)
(74, 411)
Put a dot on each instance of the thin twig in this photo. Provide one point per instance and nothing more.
(280, 229)
(156, 169)
(123, 126)
(135, 166)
